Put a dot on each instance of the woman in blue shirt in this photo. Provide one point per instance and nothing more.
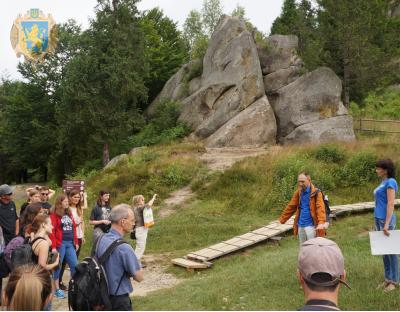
(385, 217)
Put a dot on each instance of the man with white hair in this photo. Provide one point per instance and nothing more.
(320, 272)
(122, 264)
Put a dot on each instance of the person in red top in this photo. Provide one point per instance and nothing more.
(63, 238)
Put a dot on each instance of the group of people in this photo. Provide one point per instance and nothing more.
(60, 229)
(56, 234)
(320, 263)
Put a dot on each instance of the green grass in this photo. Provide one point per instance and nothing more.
(263, 278)
(249, 195)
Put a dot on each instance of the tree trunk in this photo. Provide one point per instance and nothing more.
(45, 173)
(106, 154)
(346, 83)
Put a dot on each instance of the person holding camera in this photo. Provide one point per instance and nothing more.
(140, 230)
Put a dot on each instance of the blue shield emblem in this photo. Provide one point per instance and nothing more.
(35, 36)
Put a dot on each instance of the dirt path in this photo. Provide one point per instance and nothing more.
(220, 159)
(216, 159)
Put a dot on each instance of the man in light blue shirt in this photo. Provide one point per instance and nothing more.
(122, 264)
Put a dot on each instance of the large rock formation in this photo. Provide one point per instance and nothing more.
(175, 88)
(229, 104)
(313, 97)
(253, 126)
(231, 81)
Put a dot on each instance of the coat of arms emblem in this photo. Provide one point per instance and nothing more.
(33, 35)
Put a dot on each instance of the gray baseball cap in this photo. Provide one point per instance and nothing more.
(5, 189)
(321, 255)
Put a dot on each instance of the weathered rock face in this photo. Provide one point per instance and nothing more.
(229, 105)
(113, 162)
(279, 52)
(175, 88)
(338, 128)
(231, 79)
(282, 77)
(311, 98)
(253, 126)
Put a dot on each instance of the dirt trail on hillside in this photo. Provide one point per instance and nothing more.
(220, 159)
(216, 159)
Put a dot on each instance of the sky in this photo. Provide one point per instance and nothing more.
(260, 12)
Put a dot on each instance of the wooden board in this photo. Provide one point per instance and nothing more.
(253, 237)
(272, 229)
(225, 248)
(208, 253)
(196, 257)
(190, 264)
(267, 231)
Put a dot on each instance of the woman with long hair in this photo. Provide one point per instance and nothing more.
(385, 217)
(100, 215)
(138, 205)
(31, 211)
(74, 199)
(28, 289)
(63, 238)
(41, 227)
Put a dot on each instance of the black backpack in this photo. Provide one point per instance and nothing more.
(23, 254)
(88, 288)
(326, 204)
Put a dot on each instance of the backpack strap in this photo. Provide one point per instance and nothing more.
(110, 249)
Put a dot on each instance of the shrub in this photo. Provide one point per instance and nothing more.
(359, 169)
(329, 153)
(285, 178)
(163, 128)
(195, 69)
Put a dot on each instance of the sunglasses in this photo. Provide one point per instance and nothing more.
(45, 194)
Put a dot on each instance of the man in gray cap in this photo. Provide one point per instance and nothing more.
(8, 214)
(320, 272)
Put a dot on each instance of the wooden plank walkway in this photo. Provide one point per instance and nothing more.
(200, 259)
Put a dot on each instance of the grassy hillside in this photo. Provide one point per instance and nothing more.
(250, 194)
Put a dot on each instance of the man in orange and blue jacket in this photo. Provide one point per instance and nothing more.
(308, 205)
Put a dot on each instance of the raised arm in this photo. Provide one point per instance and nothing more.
(151, 202)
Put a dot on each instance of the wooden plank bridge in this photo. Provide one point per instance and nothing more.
(200, 259)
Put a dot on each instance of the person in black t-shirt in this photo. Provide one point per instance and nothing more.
(100, 215)
(8, 214)
(45, 194)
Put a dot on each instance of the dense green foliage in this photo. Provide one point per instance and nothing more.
(357, 39)
(384, 104)
(163, 127)
(85, 102)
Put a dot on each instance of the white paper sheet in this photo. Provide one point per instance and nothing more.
(385, 245)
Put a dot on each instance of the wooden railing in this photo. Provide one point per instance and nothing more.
(375, 125)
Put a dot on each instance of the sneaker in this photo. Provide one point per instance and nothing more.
(389, 288)
(63, 287)
(59, 294)
(380, 286)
